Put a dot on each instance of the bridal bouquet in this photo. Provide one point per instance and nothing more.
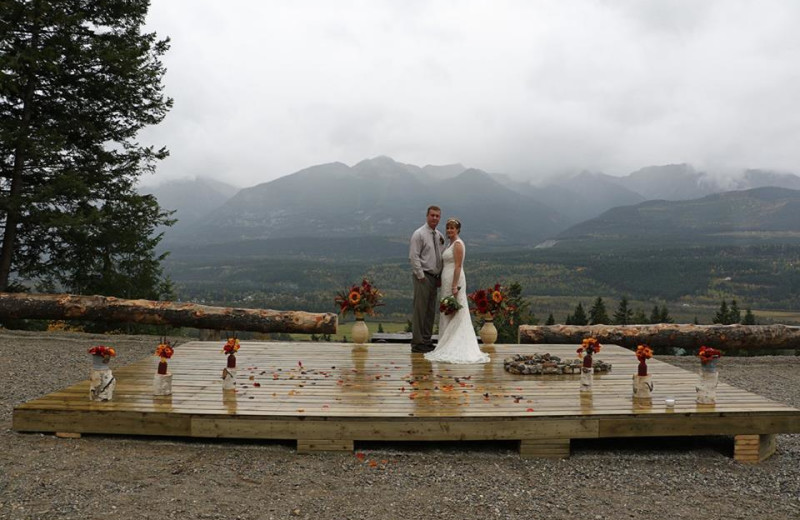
(359, 299)
(492, 301)
(449, 305)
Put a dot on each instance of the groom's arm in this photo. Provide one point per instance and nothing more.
(415, 256)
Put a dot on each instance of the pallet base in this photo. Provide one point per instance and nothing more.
(327, 396)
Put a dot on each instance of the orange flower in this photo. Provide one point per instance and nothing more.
(644, 352)
(231, 346)
(354, 297)
(164, 350)
(497, 297)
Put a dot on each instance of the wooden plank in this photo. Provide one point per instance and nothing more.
(544, 448)
(306, 446)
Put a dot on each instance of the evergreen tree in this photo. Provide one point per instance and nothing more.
(749, 318)
(380, 328)
(598, 314)
(550, 320)
(723, 314)
(639, 318)
(568, 320)
(79, 81)
(623, 314)
(734, 314)
(660, 315)
(579, 317)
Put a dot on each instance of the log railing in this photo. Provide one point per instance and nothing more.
(690, 337)
(111, 310)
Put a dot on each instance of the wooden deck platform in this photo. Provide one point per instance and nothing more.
(326, 396)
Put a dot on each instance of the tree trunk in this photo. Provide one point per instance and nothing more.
(110, 309)
(17, 177)
(690, 337)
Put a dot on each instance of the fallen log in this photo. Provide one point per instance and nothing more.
(689, 337)
(111, 310)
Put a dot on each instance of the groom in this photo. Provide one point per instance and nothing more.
(425, 254)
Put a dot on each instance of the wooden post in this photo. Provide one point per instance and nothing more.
(753, 449)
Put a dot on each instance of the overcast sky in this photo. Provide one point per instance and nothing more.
(264, 88)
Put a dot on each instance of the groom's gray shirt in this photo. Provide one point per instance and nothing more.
(421, 252)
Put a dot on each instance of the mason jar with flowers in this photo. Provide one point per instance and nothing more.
(360, 299)
(101, 380)
(487, 304)
(588, 348)
(709, 377)
(642, 384)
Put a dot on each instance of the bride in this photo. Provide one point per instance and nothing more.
(457, 342)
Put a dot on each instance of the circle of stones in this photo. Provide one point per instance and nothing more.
(548, 364)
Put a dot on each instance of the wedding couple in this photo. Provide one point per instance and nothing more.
(435, 265)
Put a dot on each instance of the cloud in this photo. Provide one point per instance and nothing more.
(265, 88)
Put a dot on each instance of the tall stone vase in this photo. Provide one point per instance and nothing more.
(162, 381)
(642, 387)
(229, 373)
(488, 332)
(587, 374)
(359, 332)
(101, 380)
(707, 384)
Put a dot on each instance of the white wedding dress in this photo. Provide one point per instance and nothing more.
(457, 341)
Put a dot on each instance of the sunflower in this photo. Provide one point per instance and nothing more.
(354, 297)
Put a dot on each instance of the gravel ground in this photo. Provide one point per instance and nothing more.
(43, 477)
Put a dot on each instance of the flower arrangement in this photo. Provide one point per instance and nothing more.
(449, 305)
(588, 347)
(359, 299)
(492, 301)
(104, 352)
(231, 346)
(709, 355)
(164, 351)
(643, 353)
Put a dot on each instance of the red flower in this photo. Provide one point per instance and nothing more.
(103, 351)
(708, 354)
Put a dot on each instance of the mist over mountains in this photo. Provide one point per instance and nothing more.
(377, 203)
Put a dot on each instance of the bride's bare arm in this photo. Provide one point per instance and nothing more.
(458, 258)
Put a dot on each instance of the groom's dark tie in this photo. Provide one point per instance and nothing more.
(438, 255)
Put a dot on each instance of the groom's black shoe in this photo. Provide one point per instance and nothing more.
(422, 349)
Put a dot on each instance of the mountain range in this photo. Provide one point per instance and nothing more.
(377, 203)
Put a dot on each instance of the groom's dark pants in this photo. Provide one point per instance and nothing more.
(425, 295)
